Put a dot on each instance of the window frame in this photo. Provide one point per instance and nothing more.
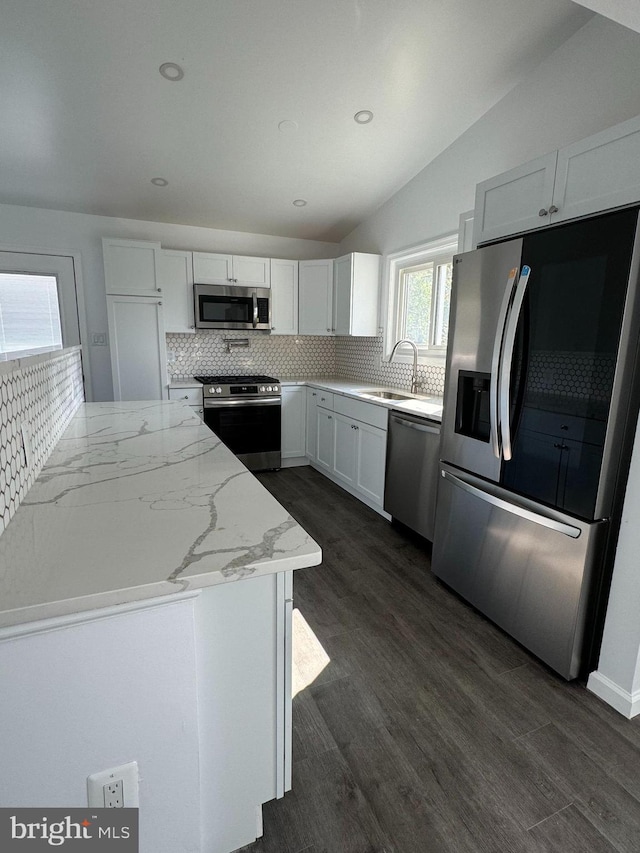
(434, 252)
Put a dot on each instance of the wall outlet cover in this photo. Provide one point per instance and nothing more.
(114, 788)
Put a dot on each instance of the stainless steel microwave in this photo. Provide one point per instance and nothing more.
(221, 306)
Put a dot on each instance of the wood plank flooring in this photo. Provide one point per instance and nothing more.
(429, 730)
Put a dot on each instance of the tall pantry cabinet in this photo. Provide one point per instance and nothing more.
(136, 322)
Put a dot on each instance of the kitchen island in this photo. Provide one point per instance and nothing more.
(145, 606)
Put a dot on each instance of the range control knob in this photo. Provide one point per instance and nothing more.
(218, 390)
(212, 390)
(262, 388)
(269, 388)
(275, 387)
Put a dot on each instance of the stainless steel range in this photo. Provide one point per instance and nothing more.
(244, 411)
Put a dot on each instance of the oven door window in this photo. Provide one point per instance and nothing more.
(246, 429)
(226, 309)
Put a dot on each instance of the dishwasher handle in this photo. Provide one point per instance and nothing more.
(420, 427)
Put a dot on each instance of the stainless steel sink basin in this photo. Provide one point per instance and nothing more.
(386, 395)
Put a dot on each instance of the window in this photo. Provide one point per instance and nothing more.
(29, 313)
(40, 303)
(419, 297)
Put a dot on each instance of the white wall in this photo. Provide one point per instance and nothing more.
(588, 84)
(25, 228)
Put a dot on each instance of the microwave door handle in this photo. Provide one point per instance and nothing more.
(498, 344)
(255, 309)
(504, 390)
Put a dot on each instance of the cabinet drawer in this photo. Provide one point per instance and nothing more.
(368, 413)
(190, 396)
(325, 399)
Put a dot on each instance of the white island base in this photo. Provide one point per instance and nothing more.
(191, 686)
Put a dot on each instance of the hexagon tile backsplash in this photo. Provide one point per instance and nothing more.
(287, 356)
(39, 394)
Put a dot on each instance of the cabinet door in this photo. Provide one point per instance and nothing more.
(515, 201)
(312, 424)
(252, 272)
(175, 280)
(342, 291)
(294, 415)
(137, 342)
(346, 449)
(315, 308)
(325, 435)
(130, 267)
(599, 172)
(212, 269)
(284, 297)
(371, 458)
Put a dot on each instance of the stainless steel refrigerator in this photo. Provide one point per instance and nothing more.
(539, 417)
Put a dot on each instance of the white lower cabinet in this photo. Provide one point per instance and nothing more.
(345, 449)
(325, 439)
(371, 462)
(192, 396)
(312, 424)
(351, 450)
(294, 422)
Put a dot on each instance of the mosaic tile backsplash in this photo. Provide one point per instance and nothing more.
(291, 356)
(280, 355)
(40, 393)
(359, 358)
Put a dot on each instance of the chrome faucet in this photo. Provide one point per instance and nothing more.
(414, 374)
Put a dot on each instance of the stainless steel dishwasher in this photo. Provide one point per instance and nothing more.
(413, 454)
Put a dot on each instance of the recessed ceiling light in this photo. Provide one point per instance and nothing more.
(171, 71)
(288, 126)
(299, 202)
(160, 182)
(363, 117)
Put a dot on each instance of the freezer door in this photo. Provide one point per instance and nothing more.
(528, 568)
(483, 285)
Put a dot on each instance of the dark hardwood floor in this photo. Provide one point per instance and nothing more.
(425, 729)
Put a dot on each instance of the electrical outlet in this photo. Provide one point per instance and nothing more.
(116, 788)
(113, 794)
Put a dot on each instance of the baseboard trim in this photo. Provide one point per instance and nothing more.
(627, 704)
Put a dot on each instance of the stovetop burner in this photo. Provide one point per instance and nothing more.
(234, 380)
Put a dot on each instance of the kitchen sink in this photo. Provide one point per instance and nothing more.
(386, 395)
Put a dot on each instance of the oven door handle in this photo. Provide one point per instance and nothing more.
(254, 401)
(255, 309)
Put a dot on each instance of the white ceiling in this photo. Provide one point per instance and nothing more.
(87, 120)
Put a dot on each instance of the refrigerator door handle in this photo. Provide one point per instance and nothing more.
(504, 380)
(496, 359)
(522, 512)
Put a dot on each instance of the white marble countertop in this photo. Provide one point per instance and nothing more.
(140, 500)
(419, 404)
(426, 406)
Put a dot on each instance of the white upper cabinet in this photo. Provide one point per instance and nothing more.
(515, 201)
(175, 278)
(211, 268)
(355, 295)
(130, 267)
(284, 297)
(600, 172)
(595, 174)
(315, 309)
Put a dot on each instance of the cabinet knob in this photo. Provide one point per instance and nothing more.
(160, 302)
(186, 397)
(543, 212)
(273, 328)
(553, 209)
(159, 290)
(192, 327)
(329, 417)
(313, 394)
(328, 330)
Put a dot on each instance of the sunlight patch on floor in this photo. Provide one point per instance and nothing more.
(309, 658)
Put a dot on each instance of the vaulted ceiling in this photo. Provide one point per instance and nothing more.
(264, 114)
